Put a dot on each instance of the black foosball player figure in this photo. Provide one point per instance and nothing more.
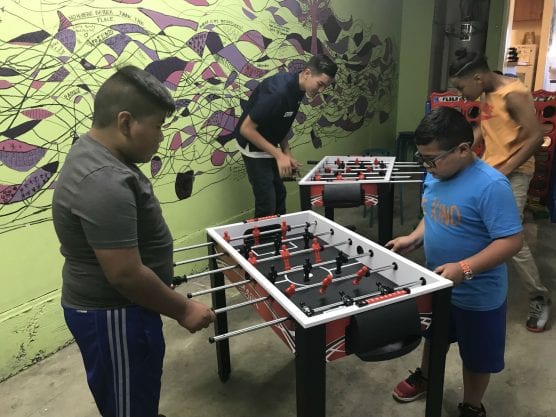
(340, 260)
(277, 245)
(245, 249)
(346, 299)
(307, 266)
(307, 236)
(384, 289)
(272, 275)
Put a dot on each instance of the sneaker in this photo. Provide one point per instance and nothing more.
(466, 410)
(539, 311)
(412, 388)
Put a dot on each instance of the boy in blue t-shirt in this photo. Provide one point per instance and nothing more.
(471, 226)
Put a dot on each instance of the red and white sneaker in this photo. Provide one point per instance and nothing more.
(412, 388)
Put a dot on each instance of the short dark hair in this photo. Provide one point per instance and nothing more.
(321, 64)
(445, 125)
(130, 89)
(466, 62)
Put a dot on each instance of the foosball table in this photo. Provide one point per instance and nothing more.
(327, 292)
(350, 181)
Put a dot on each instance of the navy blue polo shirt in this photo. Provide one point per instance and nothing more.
(273, 107)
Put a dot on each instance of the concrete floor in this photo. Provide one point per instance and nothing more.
(262, 382)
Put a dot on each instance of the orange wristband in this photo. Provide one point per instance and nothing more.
(467, 271)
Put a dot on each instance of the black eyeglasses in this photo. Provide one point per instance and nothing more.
(431, 162)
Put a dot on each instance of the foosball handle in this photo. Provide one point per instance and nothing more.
(256, 219)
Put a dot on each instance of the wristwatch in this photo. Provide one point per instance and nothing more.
(467, 271)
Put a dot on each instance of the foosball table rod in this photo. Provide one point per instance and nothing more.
(398, 179)
(225, 336)
(306, 287)
(200, 245)
(272, 231)
(184, 278)
(303, 251)
(292, 239)
(323, 263)
(239, 305)
(201, 258)
(214, 289)
(397, 291)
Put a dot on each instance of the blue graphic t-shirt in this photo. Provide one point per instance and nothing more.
(463, 215)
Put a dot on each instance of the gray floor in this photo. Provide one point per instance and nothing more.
(262, 380)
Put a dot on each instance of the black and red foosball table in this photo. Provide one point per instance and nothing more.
(350, 181)
(327, 292)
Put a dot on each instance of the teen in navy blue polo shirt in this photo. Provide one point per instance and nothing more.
(266, 120)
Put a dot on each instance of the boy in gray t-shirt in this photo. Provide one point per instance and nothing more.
(118, 249)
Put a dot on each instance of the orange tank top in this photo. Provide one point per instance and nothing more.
(500, 130)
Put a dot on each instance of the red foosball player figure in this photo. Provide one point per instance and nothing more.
(360, 274)
(286, 257)
(325, 283)
(290, 290)
(361, 176)
(256, 235)
(252, 258)
(339, 177)
(284, 229)
(316, 249)
(356, 161)
(226, 236)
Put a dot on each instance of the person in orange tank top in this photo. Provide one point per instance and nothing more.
(511, 134)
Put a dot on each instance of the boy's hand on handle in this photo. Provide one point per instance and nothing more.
(197, 316)
(284, 164)
(403, 244)
(294, 164)
(451, 271)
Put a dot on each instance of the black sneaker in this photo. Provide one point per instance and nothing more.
(466, 410)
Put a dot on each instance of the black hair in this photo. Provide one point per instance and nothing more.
(321, 64)
(466, 62)
(445, 125)
(134, 90)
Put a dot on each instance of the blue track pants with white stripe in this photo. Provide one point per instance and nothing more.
(123, 351)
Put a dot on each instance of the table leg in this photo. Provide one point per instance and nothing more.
(438, 350)
(305, 197)
(310, 371)
(329, 212)
(385, 212)
(221, 322)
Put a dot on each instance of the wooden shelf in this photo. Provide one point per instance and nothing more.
(528, 10)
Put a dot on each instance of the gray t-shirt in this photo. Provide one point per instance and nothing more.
(100, 202)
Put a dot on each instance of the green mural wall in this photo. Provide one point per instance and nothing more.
(415, 52)
(210, 54)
